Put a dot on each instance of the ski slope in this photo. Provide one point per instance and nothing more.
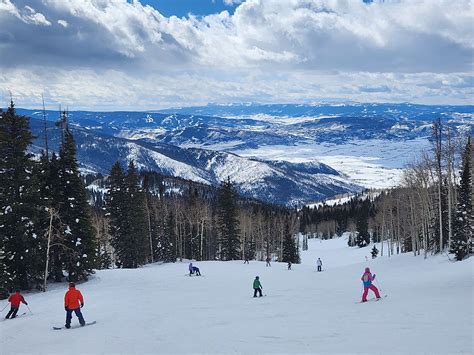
(157, 309)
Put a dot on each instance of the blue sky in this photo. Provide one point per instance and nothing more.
(121, 54)
(182, 8)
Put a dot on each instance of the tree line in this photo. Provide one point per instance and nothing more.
(53, 228)
(429, 213)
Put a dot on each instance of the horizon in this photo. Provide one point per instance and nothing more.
(349, 103)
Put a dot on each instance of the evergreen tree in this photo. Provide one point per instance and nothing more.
(5, 278)
(464, 221)
(21, 218)
(136, 216)
(78, 235)
(290, 251)
(116, 213)
(166, 242)
(374, 252)
(362, 225)
(227, 222)
(128, 220)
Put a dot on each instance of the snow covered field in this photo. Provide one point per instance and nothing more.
(157, 309)
(372, 163)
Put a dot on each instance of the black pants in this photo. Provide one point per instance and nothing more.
(13, 311)
(246, 262)
(196, 270)
(319, 267)
(78, 314)
(255, 290)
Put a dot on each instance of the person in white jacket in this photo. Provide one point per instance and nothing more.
(319, 263)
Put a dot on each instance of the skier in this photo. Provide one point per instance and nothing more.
(367, 279)
(268, 261)
(289, 265)
(196, 270)
(246, 261)
(257, 287)
(73, 302)
(190, 269)
(15, 301)
(319, 263)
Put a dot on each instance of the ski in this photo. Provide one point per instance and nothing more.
(76, 326)
(18, 315)
(373, 299)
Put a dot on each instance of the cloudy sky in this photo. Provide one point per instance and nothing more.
(151, 54)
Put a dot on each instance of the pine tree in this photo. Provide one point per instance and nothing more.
(463, 227)
(137, 218)
(374, 252)
(362, 225)
(128, 220)
(78, 235)
(21, 218)
(290, 251)
(5, 278)
(166, 242)
(228, 224)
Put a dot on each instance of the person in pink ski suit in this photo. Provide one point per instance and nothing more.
(367, 279)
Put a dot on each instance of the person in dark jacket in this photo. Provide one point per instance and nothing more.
(257, 287)
(73, 302)
(196, 270)
(16, 299)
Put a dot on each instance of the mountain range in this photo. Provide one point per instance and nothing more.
(198, 143)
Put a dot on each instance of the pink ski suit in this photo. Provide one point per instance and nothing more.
(367, 279)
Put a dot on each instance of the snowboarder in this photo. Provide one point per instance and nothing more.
(190, 269)
(196, 270)
(319, 263)
(367, 279)
(257, 287)
(268, 261)
(289, 265)
(73, 302)
(15, 301)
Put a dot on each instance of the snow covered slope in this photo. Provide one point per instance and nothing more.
(157, 309)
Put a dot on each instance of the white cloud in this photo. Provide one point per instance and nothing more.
(27, 15)
(268, 50)
(232, 2)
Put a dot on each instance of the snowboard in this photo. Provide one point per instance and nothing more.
(76, 326)
(374, 299)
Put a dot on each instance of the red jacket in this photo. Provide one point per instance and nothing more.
(73, 298)
(16, 299)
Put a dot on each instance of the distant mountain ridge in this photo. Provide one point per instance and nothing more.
(270, 181)
(232, 127)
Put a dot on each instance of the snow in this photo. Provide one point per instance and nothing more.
(372, 163)
(157, 309)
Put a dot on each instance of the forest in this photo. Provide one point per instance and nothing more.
(59, 225)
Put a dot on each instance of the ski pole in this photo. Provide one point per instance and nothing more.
(4, 307)
(29, 309)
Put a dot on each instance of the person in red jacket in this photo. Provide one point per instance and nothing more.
(15, 301)
(73, 302)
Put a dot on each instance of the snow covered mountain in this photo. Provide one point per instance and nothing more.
(369, 143)
(243, 126)
(271, 181)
